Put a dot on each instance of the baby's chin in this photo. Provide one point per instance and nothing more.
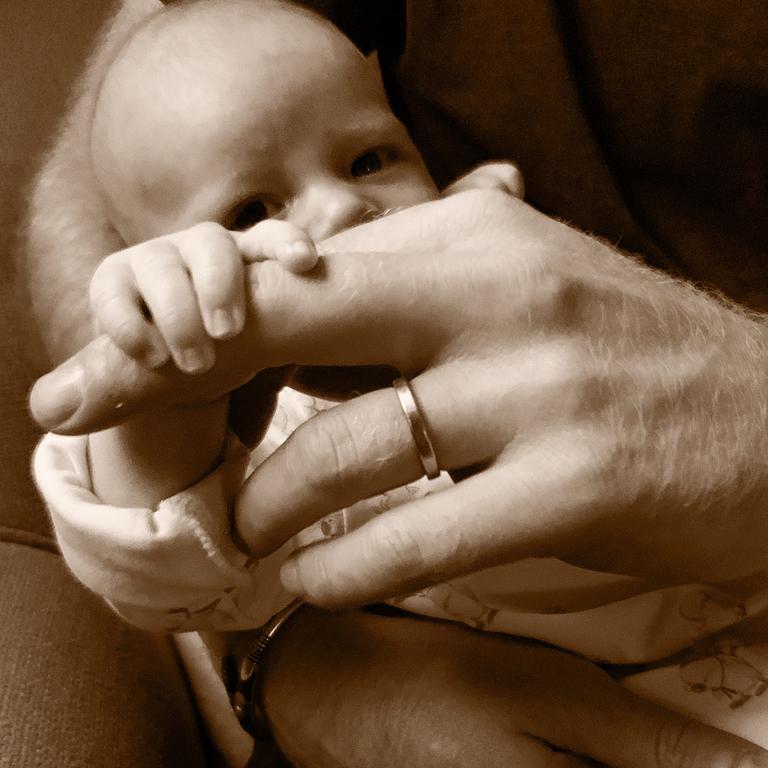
(342, 382)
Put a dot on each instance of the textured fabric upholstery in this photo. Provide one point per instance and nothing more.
(77, 687)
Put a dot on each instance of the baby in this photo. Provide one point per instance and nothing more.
(243, 114)
(263, 121)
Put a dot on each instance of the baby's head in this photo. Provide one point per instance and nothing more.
(239, 110)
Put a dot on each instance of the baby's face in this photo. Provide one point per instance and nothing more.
(298, 127)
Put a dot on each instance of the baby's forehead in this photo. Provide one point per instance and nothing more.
(215, 88)
(200, 57)
(205, 57)
(222, 34)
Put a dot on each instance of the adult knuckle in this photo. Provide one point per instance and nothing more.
(399, 548)
(557, 298)
(604, 463)
(492, 210)
(573, 360)
(326, 452)
(566, 382)
(552, 286)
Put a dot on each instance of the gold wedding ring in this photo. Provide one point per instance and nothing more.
(421, 438)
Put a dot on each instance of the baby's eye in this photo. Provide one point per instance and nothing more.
(245, 215)
(366, 164)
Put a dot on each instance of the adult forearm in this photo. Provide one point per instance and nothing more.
(366, 691)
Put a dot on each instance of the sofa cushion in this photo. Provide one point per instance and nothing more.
(22, 516)
(80, 687)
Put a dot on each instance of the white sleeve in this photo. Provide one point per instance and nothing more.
(174, 568)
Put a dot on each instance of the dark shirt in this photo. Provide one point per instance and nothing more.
(642, 121)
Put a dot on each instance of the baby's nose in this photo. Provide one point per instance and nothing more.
(326, 209)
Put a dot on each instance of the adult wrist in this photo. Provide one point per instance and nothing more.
(245, 681)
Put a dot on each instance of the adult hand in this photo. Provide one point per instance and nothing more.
(355, 689)
(612, 417)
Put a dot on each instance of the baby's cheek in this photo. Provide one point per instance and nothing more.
(410, 190)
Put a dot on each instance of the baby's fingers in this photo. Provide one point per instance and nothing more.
(278, 240)
(163, 281)
(120, 313)
(216, 266)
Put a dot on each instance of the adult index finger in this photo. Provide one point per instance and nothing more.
(328, 319)
(359, 307)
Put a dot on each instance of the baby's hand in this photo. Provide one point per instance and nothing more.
(495, 175)
(175, 294)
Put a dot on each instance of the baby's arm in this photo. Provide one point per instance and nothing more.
(176, 294)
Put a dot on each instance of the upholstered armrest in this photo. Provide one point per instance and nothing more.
(78, 686)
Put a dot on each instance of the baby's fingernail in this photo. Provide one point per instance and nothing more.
(195, 359)
(299, 256)
(156, 357)
(57, 396)
(224, 323)
(289, 576)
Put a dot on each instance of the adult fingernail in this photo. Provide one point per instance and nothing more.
(56, 396)
(289, 576)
